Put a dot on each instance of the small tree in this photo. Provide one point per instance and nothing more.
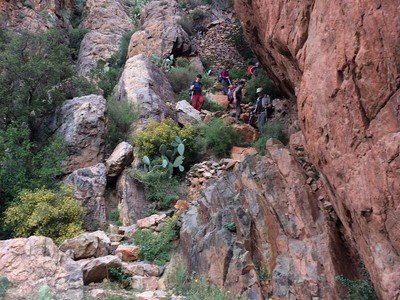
(31, 65)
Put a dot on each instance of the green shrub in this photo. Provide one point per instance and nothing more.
(358, 289)
(270, 130)
(182, 62)
(149, 141)
(207, 81)
(4, 285)
(115, 274)
(26, 165)
(184, 95)
(114, 217)
(45, 293)
(231, 226)
(159, 187)
(239, 40)
(238, 73)
(211, 105)
(181, 78)
(76, 86)
(195, 287)
(108, 73)
(55, 214)
(156, 247)
(121, 114)
(75, 38)
(261, 80)
(197, 15)
(77, 13)
(217, 137)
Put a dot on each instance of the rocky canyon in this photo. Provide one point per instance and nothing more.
(113, 186)
(339, 62)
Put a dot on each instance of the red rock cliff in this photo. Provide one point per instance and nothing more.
(341, 61)
(34, 15)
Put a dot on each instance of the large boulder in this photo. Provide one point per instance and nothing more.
(81, 122)
(34, 15)
(86, 245)
(186, 113)
(260, 230)
(146, 86)
(121, 157)
(96, 269)
(341, 61)
(30, 263)
(90, 186)
(132, 200)
(107, 22)
(162, 34)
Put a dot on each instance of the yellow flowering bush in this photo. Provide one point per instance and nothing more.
(55, 214)
(158, 133)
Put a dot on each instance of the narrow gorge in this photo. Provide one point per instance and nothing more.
(113, 186)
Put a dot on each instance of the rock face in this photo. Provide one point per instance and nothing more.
(259, 230)
(162, 34)
(186, 113)
(342, 62)
(34, 15)
(132, 200)
(107, 22)
(82, 124)
(90, 186)
(86, 245)
(121, 157)
(95, 270)
(146, 86)
(33, 262)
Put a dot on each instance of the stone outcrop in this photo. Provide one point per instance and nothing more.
(95, 270)
(81, 122)
(128, 252)
(147, 87)
(86, 245)
(162, 34)
(186, 113)
(132, 200)
(342, 63)
(260, 230)
(30, 263)
(90, 186)
(107, 22)
(121, 157)
(34, 15)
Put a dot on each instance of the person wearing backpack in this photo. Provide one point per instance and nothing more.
(197, 97)
(224, 79)
(262, 107)
(237, 96)
(252, 70)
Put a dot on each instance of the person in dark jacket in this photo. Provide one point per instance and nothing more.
(262, 107)
(197, 97)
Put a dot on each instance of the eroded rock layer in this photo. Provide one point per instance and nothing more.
(342, 62)
(260, 231)
(34, 15)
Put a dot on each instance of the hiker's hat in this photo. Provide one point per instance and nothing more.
(259, 90)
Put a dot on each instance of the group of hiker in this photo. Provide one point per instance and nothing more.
(263, 105)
